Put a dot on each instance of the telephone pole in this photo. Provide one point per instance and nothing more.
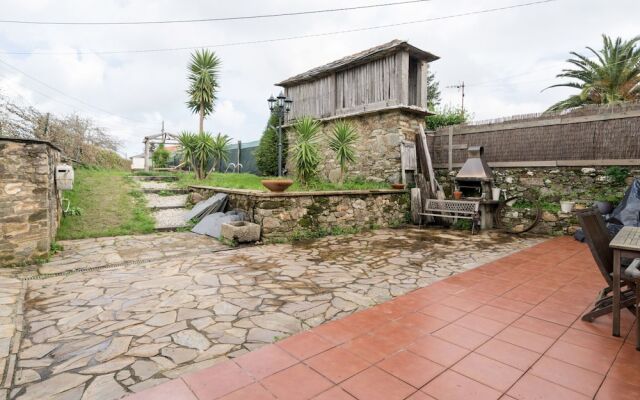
(459, 87)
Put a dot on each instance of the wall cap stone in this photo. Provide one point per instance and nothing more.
(258, 193)
(419, 111)
(26, 140)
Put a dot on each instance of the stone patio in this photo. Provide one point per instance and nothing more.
(119, 315)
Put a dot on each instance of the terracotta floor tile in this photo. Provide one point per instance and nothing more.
(607, 345)
(366, 320)
(509, 354)
(480, 324)
(420, 396)
(411, 368)
(602, 325)
(591, 359)
(567, 375)
(528, 340)
(376, 384)
(217, 381)
(451, 385)
(497, 314)
(337, 364)
(511, 305)
(552, 314)
(614, 389)
(371, 348)
(461, 304)
(443, 312)
(336, 332)
(539, 326)
(253, 392)
(296, 383)
(421, 323)
(404, 333)
(476, 295)
(530, 387)
(265, 361)
(487, 371)
(462, 336)
(438, 350)
(528, 294)
(626, 369)
(495, 286)
(175, 390)
(335, 393)
(304, 345)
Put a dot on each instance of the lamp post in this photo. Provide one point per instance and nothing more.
(280, 105)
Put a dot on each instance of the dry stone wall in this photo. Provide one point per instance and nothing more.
(29, 206)
(283, 216)
(377, 148)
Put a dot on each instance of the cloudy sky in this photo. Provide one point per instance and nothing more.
(504, 57)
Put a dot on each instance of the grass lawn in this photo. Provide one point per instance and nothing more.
(250, 181)
(110, 204)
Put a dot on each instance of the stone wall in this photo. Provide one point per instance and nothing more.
(29, 206)
(378, 148)
(284, 215)
(584, 185)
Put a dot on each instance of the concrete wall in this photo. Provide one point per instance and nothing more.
(378, 148)
(286, 214)
(29, 206)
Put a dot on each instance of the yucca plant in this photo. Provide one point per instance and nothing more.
(203, 84)
(613, 77)
(220, 151)
(342, 141)
(203, 151)
(306, 154)
(187, 141)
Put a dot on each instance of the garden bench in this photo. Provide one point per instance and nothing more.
(465, 209)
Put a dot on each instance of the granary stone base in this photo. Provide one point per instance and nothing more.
(377, 148)
(29, 206)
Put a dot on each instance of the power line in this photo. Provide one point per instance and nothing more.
(214, 19)
(272, 40)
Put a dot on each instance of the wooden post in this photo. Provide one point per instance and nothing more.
(402, 77)
(146, 154)
(238, 155)
(416, 206)
(450, 159)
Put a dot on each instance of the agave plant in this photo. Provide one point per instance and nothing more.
(203, 151)
(613, 77)
(220, 151)
(342, 141)
(187, 141)
(306, 154)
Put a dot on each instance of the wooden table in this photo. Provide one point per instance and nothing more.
(625, 244)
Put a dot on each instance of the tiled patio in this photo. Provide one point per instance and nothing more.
(509, 329)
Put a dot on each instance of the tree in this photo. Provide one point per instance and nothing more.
(160, 157)
(613, 77)
(446, 116)
(220, 151)
(342, 141)
(267, 152)
(433, 91)
(203, 84)
(306, 154)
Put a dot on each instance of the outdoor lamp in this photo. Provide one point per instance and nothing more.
(281, 98)
(287, 103)
(272, 102)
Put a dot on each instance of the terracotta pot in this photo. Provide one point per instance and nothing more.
(457, 195)
(397, 185)
(277, 185)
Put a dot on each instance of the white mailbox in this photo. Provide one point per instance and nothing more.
(64, 176)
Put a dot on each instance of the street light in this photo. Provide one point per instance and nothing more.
(280, 105)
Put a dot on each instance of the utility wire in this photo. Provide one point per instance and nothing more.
(214, 19)
(262, 41)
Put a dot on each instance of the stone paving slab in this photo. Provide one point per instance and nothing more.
(170, 218)
(157, 201)
(108, 332)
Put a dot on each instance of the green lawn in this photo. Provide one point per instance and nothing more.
(110, 204)
(250, 181)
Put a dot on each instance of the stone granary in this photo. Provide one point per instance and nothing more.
(382, 91)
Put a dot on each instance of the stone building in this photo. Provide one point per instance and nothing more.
(382, 91)
(29, 203)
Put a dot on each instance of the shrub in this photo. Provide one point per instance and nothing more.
(342, 141)
(445, 117)
(305, 151)
(160, 157)
(267, 152)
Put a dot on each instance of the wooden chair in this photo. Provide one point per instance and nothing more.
(632, 272)
(598, 237)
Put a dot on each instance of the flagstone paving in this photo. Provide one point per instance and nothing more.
(103, 333)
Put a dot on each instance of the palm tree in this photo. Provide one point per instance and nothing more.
(202, 152)
(187, 141)
(203, 83)
(613, 77)
(220, 152)
(342, 141)
(305, 151)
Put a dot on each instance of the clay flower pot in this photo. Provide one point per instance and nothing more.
(397, 185)
(277, 185)
(457, 195)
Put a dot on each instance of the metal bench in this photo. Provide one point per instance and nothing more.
(465, 209)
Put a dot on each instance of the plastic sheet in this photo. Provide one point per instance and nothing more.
(627, 213)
